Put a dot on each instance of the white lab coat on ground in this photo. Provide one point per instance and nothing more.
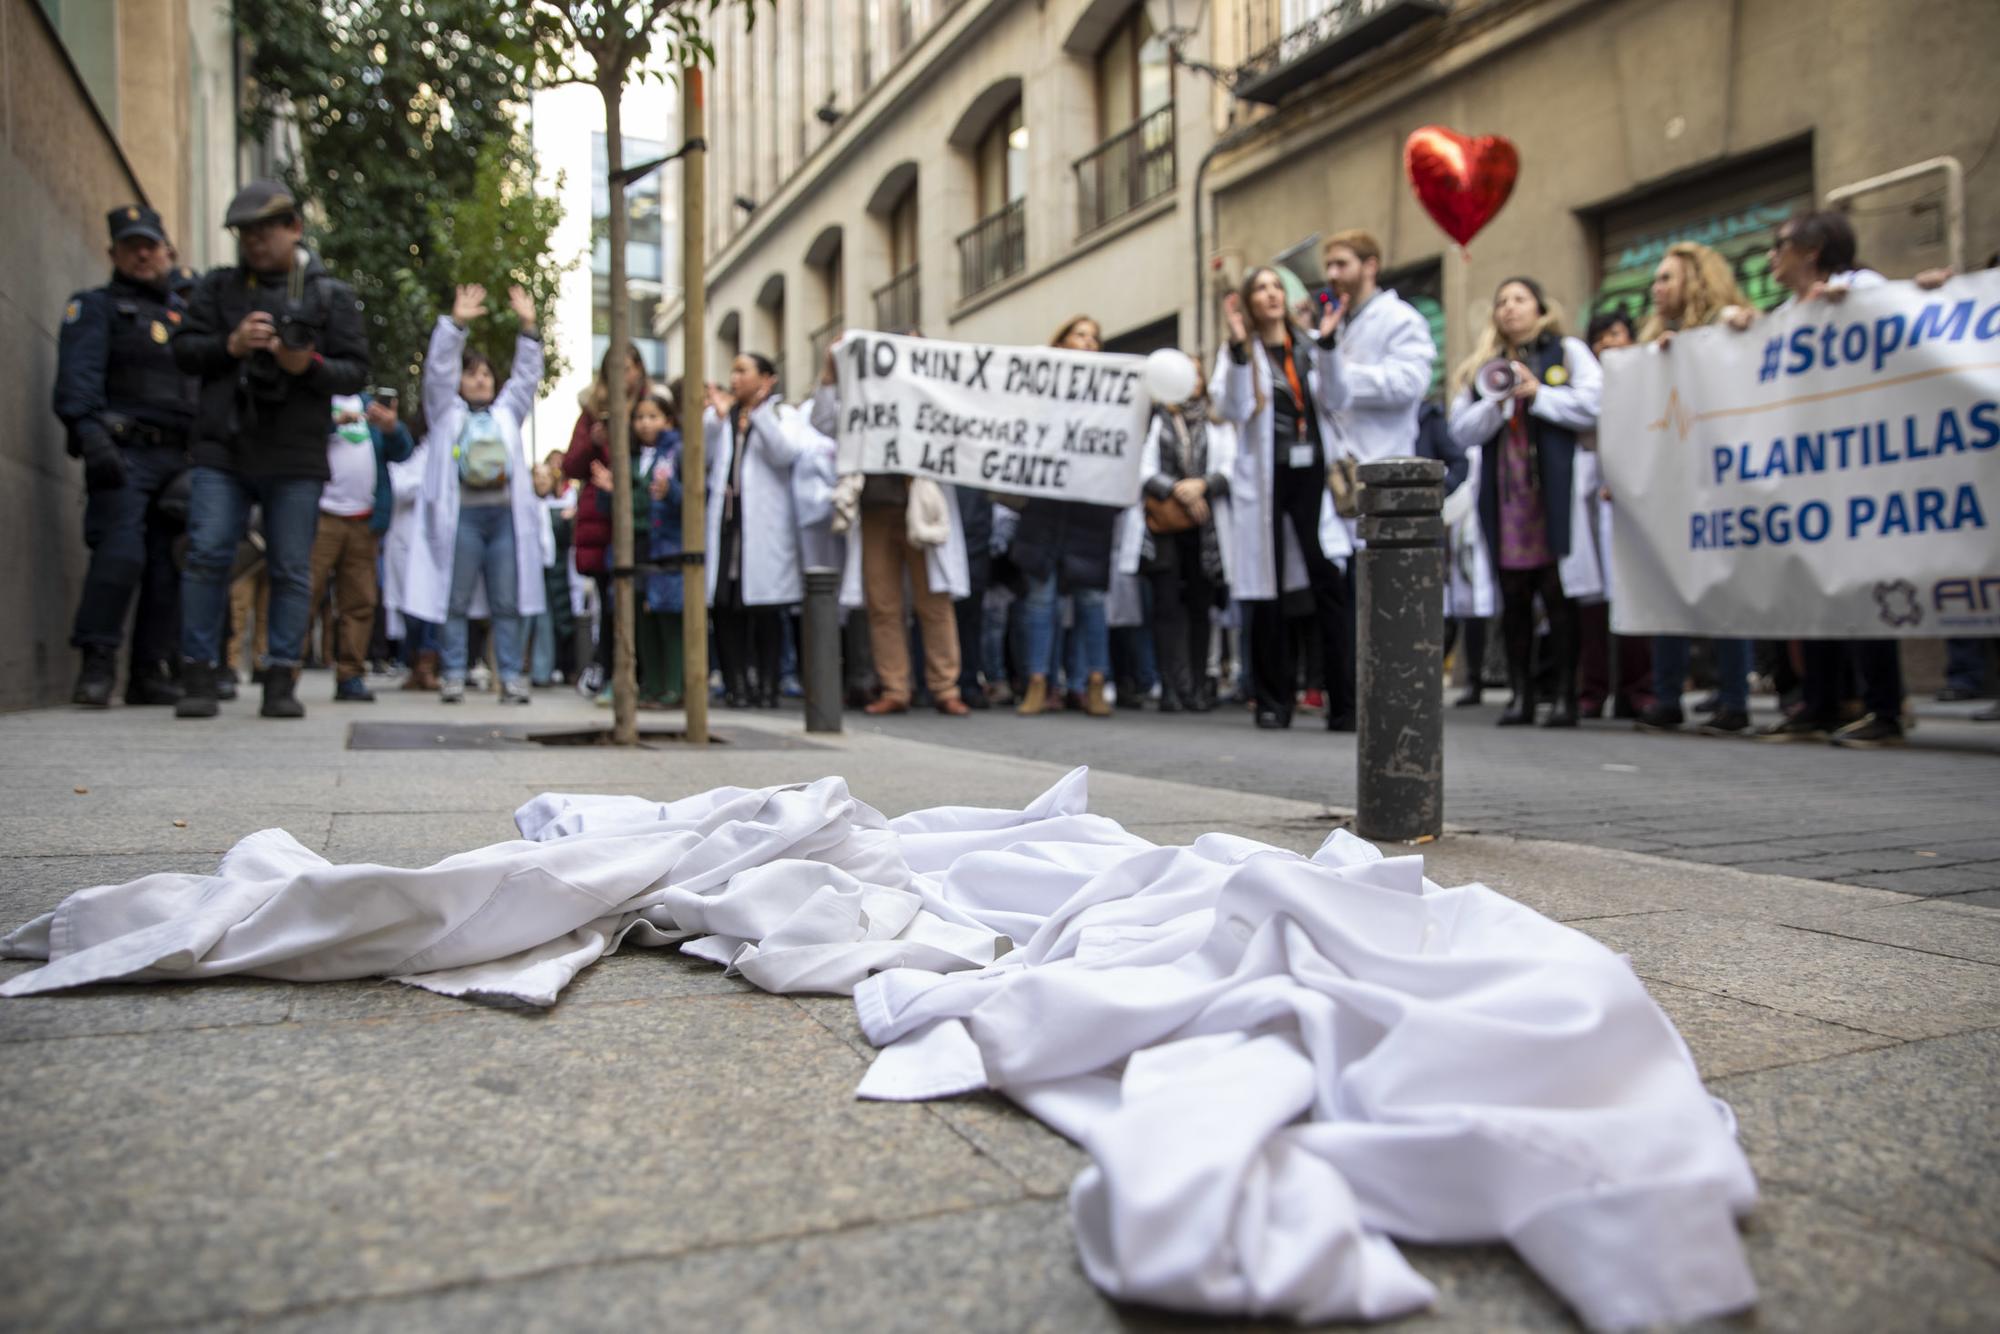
(1221, 459)
(1255, 574)
(1276, 1063)
(1574, 406)
(779, 436)
(427, 574)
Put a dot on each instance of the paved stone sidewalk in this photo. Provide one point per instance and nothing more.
(667, 1146)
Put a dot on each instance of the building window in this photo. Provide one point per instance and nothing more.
(1134, 161)
(903, 232)
(645, 252)
(997, 247)
(1735, 212)
(1002, 161)
(833, 303)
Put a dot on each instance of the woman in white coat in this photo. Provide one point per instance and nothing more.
(1178, 539)
(1528, 506)
(478, 517)
(1272, 383)
(754, 571)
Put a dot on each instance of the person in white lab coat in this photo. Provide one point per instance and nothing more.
(1527, 504)
(753, 439)
(478, 518)
(1271, 384)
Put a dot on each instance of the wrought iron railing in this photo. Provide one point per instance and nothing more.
(1133, 167)
(897, 303)
(824, 337)
(995, 248)
(1288, 41)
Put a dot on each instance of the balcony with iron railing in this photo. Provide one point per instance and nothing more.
(1288, 50)
(825, 337)
(995, 249)
(1130, 169)
(897, 303)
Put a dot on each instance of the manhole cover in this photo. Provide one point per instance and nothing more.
(492, 736)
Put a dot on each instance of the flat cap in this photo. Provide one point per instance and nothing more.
(260, 201)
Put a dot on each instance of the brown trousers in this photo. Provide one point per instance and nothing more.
(886, 557)
(344, 550)
(250, 620)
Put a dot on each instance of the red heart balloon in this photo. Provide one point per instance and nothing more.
(1460, 181)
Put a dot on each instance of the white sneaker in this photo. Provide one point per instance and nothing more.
(515, 692)
(452, 692)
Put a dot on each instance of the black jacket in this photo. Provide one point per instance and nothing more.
(256, 419)
(1069, 537)
(115, 376)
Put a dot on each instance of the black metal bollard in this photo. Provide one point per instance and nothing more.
(819, 654)
(1399, 620)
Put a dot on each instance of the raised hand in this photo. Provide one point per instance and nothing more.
(1329, 316)
(468, 304)
(1232, 316)
(523, 306)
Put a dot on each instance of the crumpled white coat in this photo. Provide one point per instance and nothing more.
(1277, 1063)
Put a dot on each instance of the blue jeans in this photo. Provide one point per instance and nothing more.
(485, 545)
(417, 637)
(1732, 670)
(542, 647)
(1090, 638)
(218, 515)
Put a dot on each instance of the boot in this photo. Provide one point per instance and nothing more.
(1562, 709)
(1094, 703)
(424, 672)
(1520, 710)
(96, 677)
(225, 682)
(1036, 698)
(197, 691)
(280, 699)
(1129, 694)
(1471, 698)
(152, 683)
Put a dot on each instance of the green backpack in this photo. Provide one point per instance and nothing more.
(482, 453)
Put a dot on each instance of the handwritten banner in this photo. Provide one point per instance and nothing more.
(1834, 471)
(1031, 421)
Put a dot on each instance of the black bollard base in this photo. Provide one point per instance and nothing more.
(1399, 621)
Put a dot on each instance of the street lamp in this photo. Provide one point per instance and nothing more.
(1175, 32)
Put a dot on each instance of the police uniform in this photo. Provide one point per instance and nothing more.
(127, 408)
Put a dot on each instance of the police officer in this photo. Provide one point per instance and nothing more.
(273, 338)
(127, 407)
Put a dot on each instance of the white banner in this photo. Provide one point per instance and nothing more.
(1831, 472)
(1031, 421)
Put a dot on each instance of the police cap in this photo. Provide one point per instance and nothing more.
(260, 201)
(135, 220)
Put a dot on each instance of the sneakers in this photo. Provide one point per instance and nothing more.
(1800, 727)
(1726, 722)
(515, 692)
(451, 692)
(353, 690)
(589, 681)
(1871, 733)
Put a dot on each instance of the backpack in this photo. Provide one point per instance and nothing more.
(482, 454)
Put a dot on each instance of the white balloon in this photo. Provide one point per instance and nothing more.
(1170, 376)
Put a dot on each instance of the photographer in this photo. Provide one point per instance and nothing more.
(273, 339)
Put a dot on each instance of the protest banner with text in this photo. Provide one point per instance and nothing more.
(1030, 421)
(1834, 471)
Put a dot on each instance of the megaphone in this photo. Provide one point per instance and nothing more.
(1496, 379)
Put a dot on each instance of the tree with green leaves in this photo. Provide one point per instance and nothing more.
(409, 154)
(609, 44)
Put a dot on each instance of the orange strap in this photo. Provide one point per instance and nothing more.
(1292, 376)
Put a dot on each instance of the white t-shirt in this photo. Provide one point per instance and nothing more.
(350, 455)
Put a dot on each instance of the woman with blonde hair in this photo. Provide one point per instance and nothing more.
(1694, 287)
(1063, 547)
(1524, 395)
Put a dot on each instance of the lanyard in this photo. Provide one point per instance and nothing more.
(1292, 380)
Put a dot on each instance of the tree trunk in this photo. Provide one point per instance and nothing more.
(624, 683)
(694, 438)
